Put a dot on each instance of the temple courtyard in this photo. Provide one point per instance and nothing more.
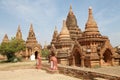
(27, 71)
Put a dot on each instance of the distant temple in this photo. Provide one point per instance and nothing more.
(86, 48)
(5, 39)
(32, 46)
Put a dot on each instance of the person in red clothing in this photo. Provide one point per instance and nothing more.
(38, 61)
(53, 61)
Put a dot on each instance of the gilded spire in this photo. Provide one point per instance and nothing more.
(5, 39)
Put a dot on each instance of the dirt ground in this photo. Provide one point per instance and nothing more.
(27, 71)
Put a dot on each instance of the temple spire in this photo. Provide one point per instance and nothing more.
(19, 33)
(55, 28)
(31, 27)
(5, 39)
(90, 17)
(64, 35)
(55, 35)
(71, 19)
(64, 30)
(18, 28)
(91, 25)
(31, 31)
(71, 9)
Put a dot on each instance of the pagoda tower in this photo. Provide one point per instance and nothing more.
(55, 35)
(63, 45)
(5, 39)
(32, 46)
(19, 33)
(64, 36)
(96, 47)
(71, 23)
(91, 27)
(31, 39)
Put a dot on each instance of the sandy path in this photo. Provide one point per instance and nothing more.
(32, 74)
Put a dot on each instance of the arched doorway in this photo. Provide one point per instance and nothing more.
(107, 57)
(77, 59)
(36, 53)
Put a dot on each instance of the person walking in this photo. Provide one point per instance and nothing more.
(38, 61)
(53, 62)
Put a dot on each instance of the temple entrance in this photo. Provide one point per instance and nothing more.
(77, 59)
(36, 53)
(107, 57)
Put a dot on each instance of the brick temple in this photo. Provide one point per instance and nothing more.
(88, 48)
(32, 46)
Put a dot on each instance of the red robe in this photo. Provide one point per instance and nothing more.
(38, 63)
(53, 63)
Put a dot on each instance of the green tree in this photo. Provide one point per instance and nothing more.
(9, 49)
(45, 53)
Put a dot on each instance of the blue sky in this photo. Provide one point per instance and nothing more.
(46, 14)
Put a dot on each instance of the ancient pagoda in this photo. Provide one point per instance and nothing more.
(5, 39)
(32, 46)
(55, 35)
(88, 48)
(19, 33)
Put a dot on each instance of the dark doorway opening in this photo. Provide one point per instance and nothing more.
(77, 59)
(107, 57)
(36, 54)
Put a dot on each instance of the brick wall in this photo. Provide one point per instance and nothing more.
(81, 73)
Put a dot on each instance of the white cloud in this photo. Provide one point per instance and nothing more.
(30, 10)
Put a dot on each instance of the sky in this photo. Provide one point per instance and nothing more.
(46, 14)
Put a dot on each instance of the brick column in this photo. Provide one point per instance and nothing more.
(73, 61)
(101, 60)
(112, 61)
(82, 61)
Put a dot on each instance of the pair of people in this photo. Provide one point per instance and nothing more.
(53, 61)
